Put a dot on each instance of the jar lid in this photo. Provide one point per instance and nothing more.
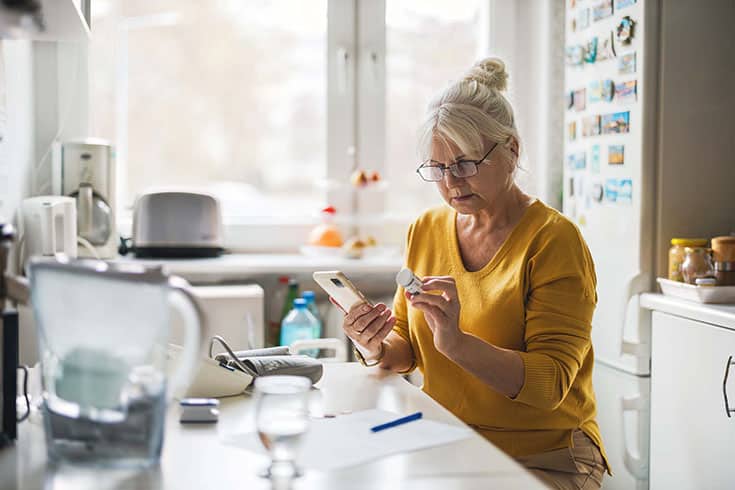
(724, 239)
(689, 242)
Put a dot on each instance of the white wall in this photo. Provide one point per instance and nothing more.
(44, 83)
(529, 36)
(16, 155)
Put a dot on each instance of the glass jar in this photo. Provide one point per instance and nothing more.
(676, 255)
(697, 263)
(724, 257)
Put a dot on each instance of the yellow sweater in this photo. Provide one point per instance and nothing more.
(535, 296)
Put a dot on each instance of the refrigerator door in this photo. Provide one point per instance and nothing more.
(623, 413)
(609, 176)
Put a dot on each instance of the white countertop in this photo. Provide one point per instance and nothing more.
(194, 457)
(722, 315)
(239, 266)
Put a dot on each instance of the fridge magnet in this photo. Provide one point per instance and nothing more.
(572, 4)
(623, 3)
(598, 192)
(626, 91)
(577, 161)
(617, 122)
(595, 159)
(606, 49)
(574, 55)
(608, 90)
(625, 191)
(573, 25)
(616, 154)
(580, 99)
(625, 30)
(571, 186)
(595, 91)
(569, 99)
(583, 19)
(626, 63)
(572, 131)
(611, 190)
(591, 125)
(602, 10)
(590, 50)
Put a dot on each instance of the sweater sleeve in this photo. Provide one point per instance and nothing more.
(559, 306)
(400, 309)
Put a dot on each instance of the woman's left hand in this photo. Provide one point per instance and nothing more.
(441, 311)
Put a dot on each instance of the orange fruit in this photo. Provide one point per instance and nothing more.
(325, 235)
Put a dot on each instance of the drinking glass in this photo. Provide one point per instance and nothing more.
(281, 419)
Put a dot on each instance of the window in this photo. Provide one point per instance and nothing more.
(230, 96)
(428, 44)
(272, 104)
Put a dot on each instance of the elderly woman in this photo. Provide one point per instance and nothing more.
(501, 329)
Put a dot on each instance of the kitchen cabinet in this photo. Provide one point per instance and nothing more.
(692, 433)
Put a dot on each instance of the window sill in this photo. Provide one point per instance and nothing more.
(239, 266)
(284, 235)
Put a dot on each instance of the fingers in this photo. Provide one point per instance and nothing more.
(432, 315)
(364, 321)
(380, 336)
(377, 324)
(432, 312)
(377, 331)
(357, 310)
(445, 284)
(430, 299)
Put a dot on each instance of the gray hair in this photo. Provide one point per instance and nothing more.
(471, 113)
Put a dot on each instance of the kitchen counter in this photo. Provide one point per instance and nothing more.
(194, 456)
(234, 267)
(721, 315)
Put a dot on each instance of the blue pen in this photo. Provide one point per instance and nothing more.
(401, 421)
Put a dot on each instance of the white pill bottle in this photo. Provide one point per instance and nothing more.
(408, 281)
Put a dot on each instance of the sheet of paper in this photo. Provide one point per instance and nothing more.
(346, 440)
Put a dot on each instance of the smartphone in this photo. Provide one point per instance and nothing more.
(336, 284)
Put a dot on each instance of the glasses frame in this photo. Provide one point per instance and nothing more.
(454, 167)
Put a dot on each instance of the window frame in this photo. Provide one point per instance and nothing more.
(356, 110)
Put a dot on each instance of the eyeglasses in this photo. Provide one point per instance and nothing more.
(432, 171)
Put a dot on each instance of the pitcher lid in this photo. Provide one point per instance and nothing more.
(151, 274)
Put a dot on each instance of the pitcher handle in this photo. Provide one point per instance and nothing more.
(195, 336)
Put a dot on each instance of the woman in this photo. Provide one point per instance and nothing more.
(501, 329)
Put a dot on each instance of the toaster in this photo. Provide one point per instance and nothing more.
(177, 224)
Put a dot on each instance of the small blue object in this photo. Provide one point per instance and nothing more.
(401, 421)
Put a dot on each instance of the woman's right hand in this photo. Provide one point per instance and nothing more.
(368, 326)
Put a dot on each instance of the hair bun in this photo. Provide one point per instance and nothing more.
(491, 73)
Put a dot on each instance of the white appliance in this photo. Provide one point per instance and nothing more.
(658, 166)
(181, 224)
(85, 170)
(49, 226)
(234, 312)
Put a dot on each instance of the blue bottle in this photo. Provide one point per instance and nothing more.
(311, 306)
(299, 324)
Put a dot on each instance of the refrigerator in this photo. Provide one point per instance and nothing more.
(649, 155)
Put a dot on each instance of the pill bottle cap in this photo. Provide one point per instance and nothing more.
(404, 277)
